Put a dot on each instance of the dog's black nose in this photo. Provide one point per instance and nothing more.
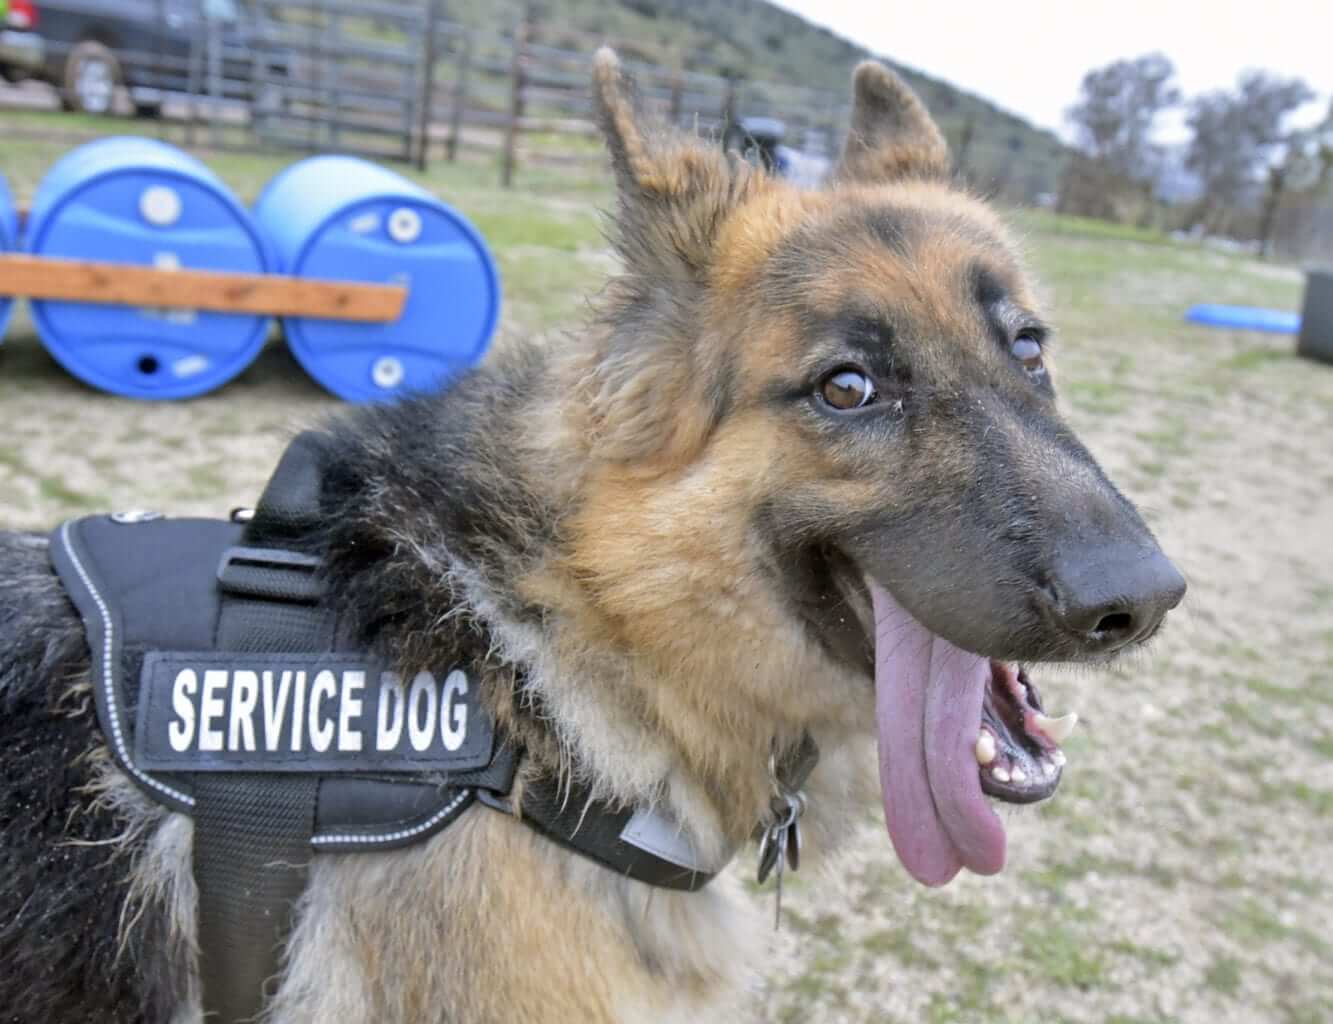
(1113, 596)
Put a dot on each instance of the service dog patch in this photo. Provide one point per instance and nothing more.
(222, 711)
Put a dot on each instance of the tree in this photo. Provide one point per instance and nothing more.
(1304, 166)
(1236, 137)
(1115, 112)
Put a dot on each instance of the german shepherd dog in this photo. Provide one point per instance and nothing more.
(802, 475)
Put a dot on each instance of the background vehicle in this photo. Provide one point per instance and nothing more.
(22, 51)
(88, 48)
(760, 140)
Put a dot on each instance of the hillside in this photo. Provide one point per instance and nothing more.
(755, 40)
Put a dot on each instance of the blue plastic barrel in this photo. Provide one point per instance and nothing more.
(343, 218)
(141, 201)
(1246, 318)
(9, 242)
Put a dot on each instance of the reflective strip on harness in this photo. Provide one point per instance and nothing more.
(104, 643)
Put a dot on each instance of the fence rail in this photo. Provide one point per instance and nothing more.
(398, 81)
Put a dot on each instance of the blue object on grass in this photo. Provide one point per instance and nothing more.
(343, 218)
(9, 241)
(1251, 318)
(141, 201)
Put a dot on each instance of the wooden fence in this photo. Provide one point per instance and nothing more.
(397, 81)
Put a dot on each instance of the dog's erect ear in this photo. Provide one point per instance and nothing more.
(618, 117)
(651, 376)
(674, 191)
(892, 135)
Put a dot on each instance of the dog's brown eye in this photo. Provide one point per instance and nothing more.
(1027, 350)
(848, 389)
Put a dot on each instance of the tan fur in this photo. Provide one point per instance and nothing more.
(892, 136)
(561, 940)
(666, 663)
(752, 232)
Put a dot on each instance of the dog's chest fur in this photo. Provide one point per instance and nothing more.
(486, 923)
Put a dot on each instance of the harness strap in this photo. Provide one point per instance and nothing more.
(251, 852)
(251, 830)
(640, 843)
(643, 844)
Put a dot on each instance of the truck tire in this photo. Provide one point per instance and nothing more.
(91, 76)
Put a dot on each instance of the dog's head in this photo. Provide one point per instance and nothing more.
(827, 452)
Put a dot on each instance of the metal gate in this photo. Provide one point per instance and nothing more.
(349, 77)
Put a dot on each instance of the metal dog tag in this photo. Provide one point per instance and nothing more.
(768, 854)
(780, 844)
(780, 836)
(794, 846)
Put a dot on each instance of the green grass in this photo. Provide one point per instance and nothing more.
(55, 489)
(1055, 875)
(1149, 956)
(1062, 955)
(1254, 358)
(1223, 975)
(899, 944)
(1253, 922)
(969, 997)
(1048, 223)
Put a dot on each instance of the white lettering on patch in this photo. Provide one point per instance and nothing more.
(244, 697)
(298, 716)
(321, 729)
(211, 717)
(180, 733)
(453, 715)
(349, 709)
(275, 708)
(421, 698)
(393, 702)
(212, 708)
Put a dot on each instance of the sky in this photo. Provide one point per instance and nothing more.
(1028, 56)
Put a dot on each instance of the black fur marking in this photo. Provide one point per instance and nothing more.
(411, 490)
(61, 899)
(858, 337)
(896, 230)
(989, 290)
(721, 389)
(815, 580)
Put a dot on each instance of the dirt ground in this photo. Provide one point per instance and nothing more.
(1182, 872)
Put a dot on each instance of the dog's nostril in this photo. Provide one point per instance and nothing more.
(1113, 597)
(1116, 622)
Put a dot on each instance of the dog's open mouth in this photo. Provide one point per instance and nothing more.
(954, 726)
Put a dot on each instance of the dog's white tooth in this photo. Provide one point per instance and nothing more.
(1058, 756)
(985, 748)
(1057, 729)
(1018, 775)
(1001, 774)
(1048, 767)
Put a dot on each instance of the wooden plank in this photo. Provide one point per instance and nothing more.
(38, 277)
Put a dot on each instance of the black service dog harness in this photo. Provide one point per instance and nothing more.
(226, 690)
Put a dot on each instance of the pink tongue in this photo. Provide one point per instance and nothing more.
(928, 696)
